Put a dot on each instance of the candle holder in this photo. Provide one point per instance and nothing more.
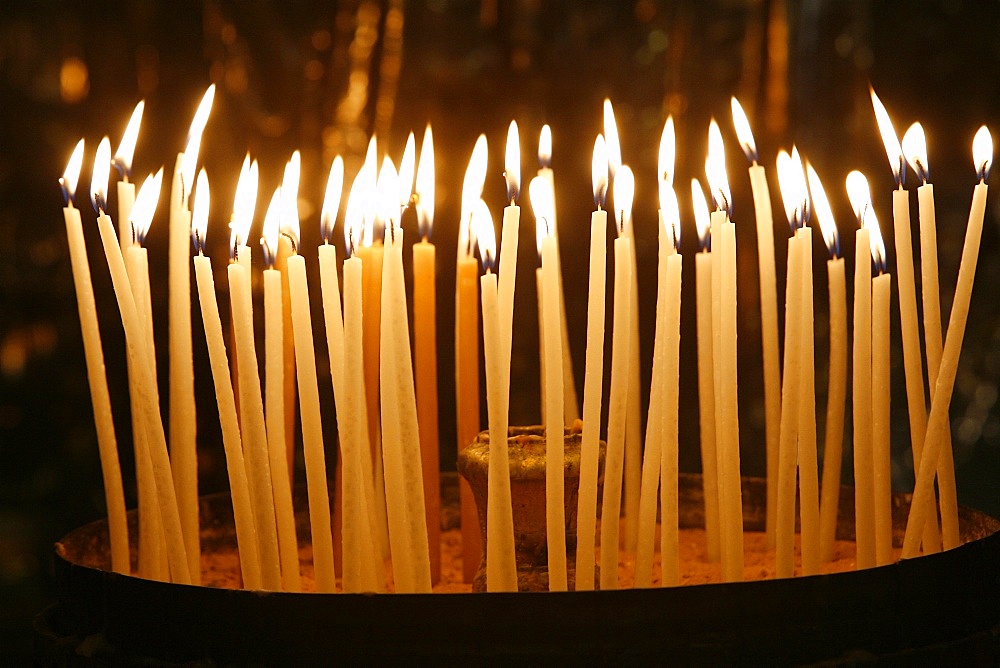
(526, 450)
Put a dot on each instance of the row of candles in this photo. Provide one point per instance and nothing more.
(387, 415)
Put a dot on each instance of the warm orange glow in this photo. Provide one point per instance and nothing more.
(512, 163)
(545, 146)
(353, 218)
(190, 160)
(289, 212)
(743, 132)
(272, 229)
(915, 149)
(702, 216)
(365, 182)
(123, 156)
(982, 152)
(892, 148)
(426, 185)
(243, 206)
(822, 211)
(406, 169)
(331, 200)
(715, 170)
(475, 177)
(485, 236)
(386, 189)
(611, 137)
(145, 206)
(199, 217)
(599, 171)
(71, 177)
(624, 193)
(543, 205)
(794, 190)
(875, 237)
(668, 153)
(100, 175)
(670, 213)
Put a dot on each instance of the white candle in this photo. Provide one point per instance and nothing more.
(881, 441)
(669, 509)
(508, 251)
(807, 456)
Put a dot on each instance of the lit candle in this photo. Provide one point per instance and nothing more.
(555, 516)
(123, 163)
(881, 390)
(107, 445)
(162, 482)
(509, 234)
(833, 440)
(246, 532)
(618, 401)
(934, 442)
(915, 150)
(909, 324)
(768, 311)
(274, 391)
(255, 448)
(864, 481)
(425, 336)
(727, 411)
(400, 432)
(183, 422)
(706, 373)
(593, 386)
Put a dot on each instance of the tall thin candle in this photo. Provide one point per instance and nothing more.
(123, 163)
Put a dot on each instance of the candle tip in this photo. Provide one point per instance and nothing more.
(512, 163)
(743, 131)
(982, 153)
(599, 171)
(425, 188)
(71, 176)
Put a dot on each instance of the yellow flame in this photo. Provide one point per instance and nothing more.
(426, 185)
(290, 198)
(982, 152)
(743, 132)
(822, 211)
(915, 149)
(354, 217)
(859, 194)
(611, 137)
(331, 199)
(190, 160)
(145, 206)
(702, 215)
(100, 175)
(244, 203)
(475, 177)
(406, 169)
(668, 152)
(545, 146)
(794, 191)
(123, 156)
(715, 169)
(199, 217)
(875, 238)
(599, 171)
(624, 193)
(71, 176)
(387, 187)
(893, 150)
(271, 229)
(366, 179)
(484, 232)
(543, 205)
(511, 163)
(670, 213)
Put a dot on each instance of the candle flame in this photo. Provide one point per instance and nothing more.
(715, 170)
(743, 132)
(670, 213)
(331, 200)
(475, 177)
(366, 180)
(702, 217)
(794, 189)
(915, 151)
(71, 177)
(386, 188)
(272, 228)
(426, 185)
(824, 214)
(99, 177)
(611, 137)
(624, 193)
(860, 194)
(123, 156)
(875, 240)
(406, 171)
(243, 206)
(982, 153)
(543, 205)
(668, 152)
(545, 146)
(145, 206)
(511, 164)
(892, 148)
(190, 159)
(599, 171)
(199, 217)
(289, 211)
(353, 218)
(485, 236)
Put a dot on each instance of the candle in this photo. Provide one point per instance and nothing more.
(425, 341)
(864, 491)
(768, 311)
(727, 412)
(881, 443)
(807, 457)
(934, 442)
(274, 364)
(123, 163)
(706, 374)
(913, 362)
(593, 386)
(246, 533)
(288, 354)
(107, 445)
(400, 431)
(620, 342)
(543, 204)
(833, 440)
(571, 408)
(509, 234)
(183, 422)
(144, 385)
(915, 150)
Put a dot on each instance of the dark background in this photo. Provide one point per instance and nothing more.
(321, 77)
